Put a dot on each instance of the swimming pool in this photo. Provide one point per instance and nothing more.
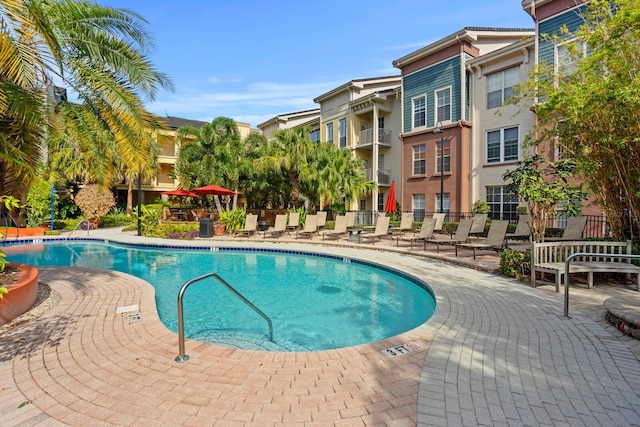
(316, 301)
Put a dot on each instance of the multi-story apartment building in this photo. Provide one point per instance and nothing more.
(163, 181)
(292, 120)
(498, 128)
(363, 115)
(438, 140)
(552, 19)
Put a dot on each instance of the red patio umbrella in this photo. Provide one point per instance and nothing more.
(391, 199)
(215, 190)
(180, 193)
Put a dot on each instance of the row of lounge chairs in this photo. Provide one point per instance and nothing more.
(497, 236)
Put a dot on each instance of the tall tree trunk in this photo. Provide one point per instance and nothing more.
(129, 197)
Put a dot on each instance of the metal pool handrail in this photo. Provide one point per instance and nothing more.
(77, 226)
(579, 254)
(183, 357)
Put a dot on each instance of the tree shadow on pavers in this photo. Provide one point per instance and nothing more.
(22, 340)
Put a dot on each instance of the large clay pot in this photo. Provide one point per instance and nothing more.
(218, 229)
(22, 294)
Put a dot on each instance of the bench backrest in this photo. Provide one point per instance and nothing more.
(559, 251)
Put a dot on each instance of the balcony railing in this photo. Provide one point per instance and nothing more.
(383, 176)
(366, 137)
(165, 179)
(167, 150)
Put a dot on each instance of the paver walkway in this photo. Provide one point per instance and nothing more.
(496, 352)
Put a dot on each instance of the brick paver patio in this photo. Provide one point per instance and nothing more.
(496, 352)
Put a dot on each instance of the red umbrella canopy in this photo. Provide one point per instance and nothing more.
(180, 193)
(391, 198)
(215, 190)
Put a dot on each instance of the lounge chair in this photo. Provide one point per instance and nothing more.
(406, 223)
(573, 231)
(479, 222)
(279, 227)
(522, 231)
(439, 217)
(494, 240)
(426, 232)
(250, 225)
(461, 235)
(293, 222)
(310, 227)
(351, 220)
(339, 230)
(322, 219)
(381, 230)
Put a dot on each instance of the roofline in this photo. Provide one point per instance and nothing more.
(285, 116)
(354, 83)
(519, 45)
(465, 34)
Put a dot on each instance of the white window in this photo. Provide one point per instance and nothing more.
(443, 105)
(445, 204)
(503, 145)
(500, 86)
(567, 54)
(330, 132)
(502, 202)
(381, 202)
(417, 202)
(314, 135)
(447, 156)
(342, 133)
(419, 111)
(419, 159)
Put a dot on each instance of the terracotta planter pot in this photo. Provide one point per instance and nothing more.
(22, 232)
(218, 229)
(22, 294)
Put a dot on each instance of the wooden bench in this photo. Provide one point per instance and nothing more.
(550, 257)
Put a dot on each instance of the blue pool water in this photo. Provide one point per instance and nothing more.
(315, 302)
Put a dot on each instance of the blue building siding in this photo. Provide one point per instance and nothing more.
(572, 19)
(426, 82)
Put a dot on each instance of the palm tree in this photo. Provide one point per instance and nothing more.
(339, 175)
(289, 152)
(99, 54)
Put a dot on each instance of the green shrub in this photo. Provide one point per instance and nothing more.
(150, 219)
(330, 225)
(553, 232)
(116, 218)
(169, 230)
(481, 207)
(233, 219)
(514, 263)
(38, 203)
(51, 232)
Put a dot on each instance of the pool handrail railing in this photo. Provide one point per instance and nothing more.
(182, 357)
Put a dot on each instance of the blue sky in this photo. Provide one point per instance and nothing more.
(254, 59)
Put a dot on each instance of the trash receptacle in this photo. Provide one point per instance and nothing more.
(206, 227)
(263, 225)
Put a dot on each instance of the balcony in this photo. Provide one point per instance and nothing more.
(383, 177)
(365, 139)
(167, 150)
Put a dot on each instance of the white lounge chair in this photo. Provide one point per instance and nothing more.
(406, 223)
(439, 217)
(322, 219)
(426, 232)
(461, 236)
(339, 230)
(310, 227)
(479, 222)
(250, 225)
(573, 231)
(293, 222)
(494, 240)
(381, 230)
(278, 228)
